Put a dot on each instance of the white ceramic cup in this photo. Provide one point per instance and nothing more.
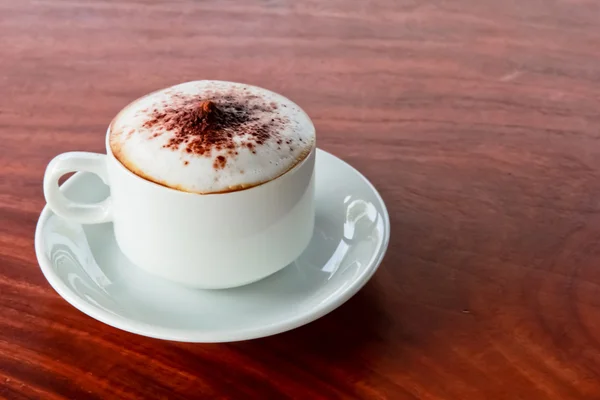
(212, 241)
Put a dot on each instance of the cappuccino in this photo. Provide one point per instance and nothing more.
(211, 136)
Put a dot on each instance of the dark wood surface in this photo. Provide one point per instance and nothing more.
(479, 122)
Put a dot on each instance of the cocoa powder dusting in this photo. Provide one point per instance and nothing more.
(219, 162)
(214, 124)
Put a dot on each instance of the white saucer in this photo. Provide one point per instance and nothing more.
(85, 266)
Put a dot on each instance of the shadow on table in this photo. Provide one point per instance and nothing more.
(339, 338)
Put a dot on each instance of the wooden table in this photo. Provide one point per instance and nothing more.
(479, 122)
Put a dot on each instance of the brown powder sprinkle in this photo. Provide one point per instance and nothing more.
(220, 122)
(219, 162)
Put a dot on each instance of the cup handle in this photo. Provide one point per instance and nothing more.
(79, 212)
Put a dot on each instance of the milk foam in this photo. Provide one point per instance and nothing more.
(258, 135)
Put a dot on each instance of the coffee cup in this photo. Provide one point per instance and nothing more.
(215, 211)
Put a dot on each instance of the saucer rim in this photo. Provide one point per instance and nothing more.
(199, 336)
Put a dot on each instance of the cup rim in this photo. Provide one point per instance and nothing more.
(126, 170)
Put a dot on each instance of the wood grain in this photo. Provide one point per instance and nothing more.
(479, 122)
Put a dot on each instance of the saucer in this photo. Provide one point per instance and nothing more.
(85, 266)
